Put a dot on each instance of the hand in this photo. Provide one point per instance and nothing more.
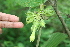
(9, 21)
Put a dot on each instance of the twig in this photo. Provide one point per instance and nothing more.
(68, 16)
(54, 4)
(38, 38)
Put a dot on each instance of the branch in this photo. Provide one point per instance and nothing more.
(68, 16)
(54, 4)
(39, 35)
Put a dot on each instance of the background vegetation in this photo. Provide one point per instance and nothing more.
(13, 37)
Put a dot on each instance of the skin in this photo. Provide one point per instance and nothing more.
(9, 21)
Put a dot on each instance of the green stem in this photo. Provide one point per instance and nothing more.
(38, 38)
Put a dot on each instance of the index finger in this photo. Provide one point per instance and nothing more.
(8, 17)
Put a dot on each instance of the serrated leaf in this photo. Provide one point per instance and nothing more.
(30, 3)
(55, 39)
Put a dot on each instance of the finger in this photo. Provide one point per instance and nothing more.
(0, 31)
(8, 17)
(4, 24)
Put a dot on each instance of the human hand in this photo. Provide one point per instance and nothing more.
(9, 21)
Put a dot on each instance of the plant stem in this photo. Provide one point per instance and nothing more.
(38, 38)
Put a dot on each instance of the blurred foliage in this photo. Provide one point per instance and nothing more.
(30, 3)
(64, 5)
(13, 37)
(55, 39)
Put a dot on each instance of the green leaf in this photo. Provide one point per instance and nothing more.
(55, 39)
(20, 45)
(30, 3)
